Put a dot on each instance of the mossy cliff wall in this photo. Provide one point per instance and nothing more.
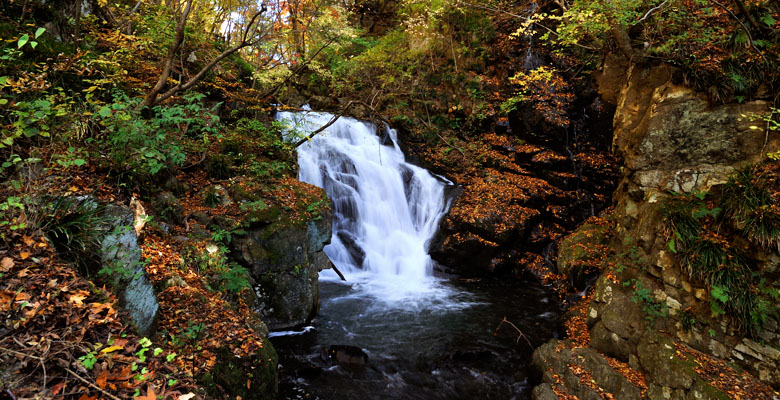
(647, 316)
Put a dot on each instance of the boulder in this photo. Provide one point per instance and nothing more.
(658, 356)
(120, 254)
(578, 250)
(284, 260)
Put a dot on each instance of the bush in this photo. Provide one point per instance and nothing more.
(142, 147)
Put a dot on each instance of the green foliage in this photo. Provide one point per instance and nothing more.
(749, 207)
(222, 275)
(688, 319)
(35, 118)
(194, 332)
(696, 225)
(650, 305)
(71, 225)
(705, 39)
(142, 146)
(88, 360)
(212, 197)
(219, 166)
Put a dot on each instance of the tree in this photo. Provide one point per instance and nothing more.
(250, 37)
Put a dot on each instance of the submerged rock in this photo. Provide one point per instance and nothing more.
(344, 354)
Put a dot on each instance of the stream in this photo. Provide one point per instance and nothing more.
(393, 330)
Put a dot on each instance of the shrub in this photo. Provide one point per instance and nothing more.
(141, 146)
(700, 229)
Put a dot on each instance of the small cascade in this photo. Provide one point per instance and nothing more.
(385, 210)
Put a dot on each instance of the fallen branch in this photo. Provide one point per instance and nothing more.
(322, 128)
(339, 273)
(92, 385)
(521, 334)
(339, 115)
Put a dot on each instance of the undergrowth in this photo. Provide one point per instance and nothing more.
(703, 230)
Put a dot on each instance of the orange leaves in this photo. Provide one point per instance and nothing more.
(6, 264)
(78, 298)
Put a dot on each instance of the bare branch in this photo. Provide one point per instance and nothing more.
(652, 11)
(322, 128)
(521, 334)
(747, 31)
(154, 96)
(151, 97)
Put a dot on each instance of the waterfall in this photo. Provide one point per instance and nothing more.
(386, 210)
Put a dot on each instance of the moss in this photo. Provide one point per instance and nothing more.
(247, 378)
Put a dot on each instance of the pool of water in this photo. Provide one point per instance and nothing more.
(440, 345)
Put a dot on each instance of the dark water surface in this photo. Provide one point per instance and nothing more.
(440, 346)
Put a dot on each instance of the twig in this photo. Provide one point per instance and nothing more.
(651, 11)
(92, 385)
(20, 354)
(322, 128)
(521, 334)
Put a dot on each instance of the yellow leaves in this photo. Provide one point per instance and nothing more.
(111, 349)
(24, 255)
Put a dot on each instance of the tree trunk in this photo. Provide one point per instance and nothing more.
(151, 97)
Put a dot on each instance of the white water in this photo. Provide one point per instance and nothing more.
(385, 210)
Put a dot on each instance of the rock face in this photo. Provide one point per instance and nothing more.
(284, 259)
(671, 140)
(507, 215)
(121, 255)
(583, 372)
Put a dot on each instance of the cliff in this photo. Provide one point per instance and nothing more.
(663, 321)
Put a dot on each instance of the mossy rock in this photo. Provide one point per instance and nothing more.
(658, 356)
(247, 378)
(167, 206)
(580, 247)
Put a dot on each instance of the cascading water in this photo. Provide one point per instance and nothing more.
(425, 338)
(385, 209)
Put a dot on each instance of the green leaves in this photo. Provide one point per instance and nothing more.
(768, 20)
(22, 41)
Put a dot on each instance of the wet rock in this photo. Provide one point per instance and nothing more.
(244, 377)
(344, 354)
(201, 217)
(558, 358)
(544, 392)
(355, 251)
